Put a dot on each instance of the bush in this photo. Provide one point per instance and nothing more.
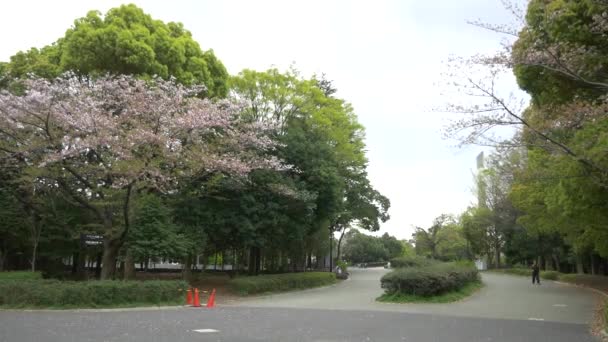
(373, 264)
(431, 280)
(549, 275)
(280, 282)
(55, 293)
(20, 275)
(411, 261)
(343, 265)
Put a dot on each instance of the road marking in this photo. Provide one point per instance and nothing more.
(535, 319)
(206, 330)
(560, 305)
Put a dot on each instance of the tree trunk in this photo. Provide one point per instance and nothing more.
(556, 264)
(497, 251)
(331, 257)
(187, 268)
(251, 263)
(258, 260)
(579, 264)
(309, 260)
(593, 262)
(338, 256)
(129, 266)
(34, 251)
(36, 230)
(112, 244)
(110, 253)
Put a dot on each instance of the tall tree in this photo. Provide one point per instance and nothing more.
(100, 139)
(125, 41)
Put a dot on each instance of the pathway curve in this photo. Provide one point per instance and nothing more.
(503, 297)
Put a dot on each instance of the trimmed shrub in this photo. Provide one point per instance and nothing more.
(569, 278)
(431, 280)
(527, 272)
(373, 264)
(549, 275)
(20, 275)
(55, 293)
(412, 261)
(280, 282)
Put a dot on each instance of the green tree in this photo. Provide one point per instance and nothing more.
(393, 246)
(362, 248)
(125, 41)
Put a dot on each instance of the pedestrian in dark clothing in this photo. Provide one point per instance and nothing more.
(535, 274)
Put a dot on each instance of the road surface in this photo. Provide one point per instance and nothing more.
(507, 309)
(504, 297)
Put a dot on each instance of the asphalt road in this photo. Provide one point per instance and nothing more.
(507, 309)
(503, 297)
(276, 324)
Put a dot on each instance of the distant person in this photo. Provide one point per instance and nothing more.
(535, 274)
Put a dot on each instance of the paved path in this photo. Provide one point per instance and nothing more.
(238, 324)
(500, 312)
(504, 297)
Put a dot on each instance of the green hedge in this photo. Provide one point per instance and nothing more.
(549, 275)
(280, 282)
(20, 275)
(65, 294)
(412, 261)
(431, 280)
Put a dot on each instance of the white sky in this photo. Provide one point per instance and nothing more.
(385, 57)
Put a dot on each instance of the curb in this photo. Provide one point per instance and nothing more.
(603, 332)
(141, 308)
(605, 295)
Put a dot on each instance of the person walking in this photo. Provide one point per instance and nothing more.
(535, 274)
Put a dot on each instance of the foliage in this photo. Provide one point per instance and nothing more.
(447, 297)
(137, 134)
(65, 294)
(444, 240)
(20, 275)
(430, 280)
(343, 265)
(125, 41)
(153, 234)
(412, 261)
(549, 275)
(556, 179)
(280, 282)
(362, 248)
(104, 137)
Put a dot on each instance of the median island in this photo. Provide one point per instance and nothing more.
(422, 280)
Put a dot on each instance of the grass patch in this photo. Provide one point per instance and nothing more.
(447, 297)
(20, 275)
(244, 286)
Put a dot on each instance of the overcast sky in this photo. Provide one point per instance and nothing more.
(385, 57)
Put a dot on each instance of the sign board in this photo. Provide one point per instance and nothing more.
(91, 239)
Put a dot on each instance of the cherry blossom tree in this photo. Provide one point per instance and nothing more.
(100, 139)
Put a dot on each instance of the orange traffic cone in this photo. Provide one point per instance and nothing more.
(197, 301)
(211, 301)
(189, 297)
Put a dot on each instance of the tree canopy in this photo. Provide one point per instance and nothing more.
(125, 41)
